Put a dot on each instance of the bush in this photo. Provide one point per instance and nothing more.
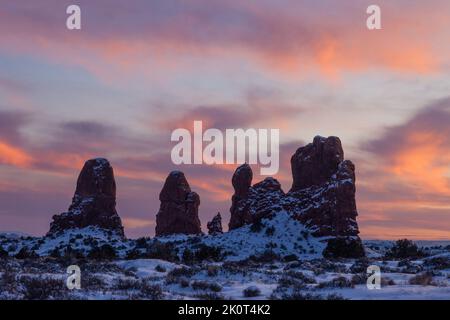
(205, 285)
(423, 279)
(3, 253)
(127, 284)
(151, 291)
(256, 226)
(251, 291)
(202, 253)
(344, 248)
(339, 282)
(25, 253)
(212, 271)
(209, 296)
(270, 231)
(105, 252)
(290, 258)
(41, 289)
(181, 272)
(404, 249)
(301, 276)
(160, 268)
(438, 263)
(162, 251)
(267, 256)
(141, 243)
(359, 279)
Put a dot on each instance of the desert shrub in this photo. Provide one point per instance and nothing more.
(54, 253)
(270, 231)
(339, 282)
(300, 276)
(151, 291)
(409, 267)
(285, 282)
(360, 266)
(162, 251)
(205, 285)
(91, 282)
(72, 254)
(25, 253)
(387, 282)
(404, 249)
(134, 254)
(202, 253)
(290, 258)
(257, 226)
(105, 252)
(344, 248)
(251, 291)
(212, 271)
(41, 289)
(422, 279)
(188, 256)
(160, 268)
(3, 253)
(360, 278)
(127, 284)
(209, 296)
(184, 282)
(209, 253)
(8, 280)
(438, 263)
(267, 256)
(181, 272)
(141, 243)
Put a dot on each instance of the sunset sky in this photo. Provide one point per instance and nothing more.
(139, 69)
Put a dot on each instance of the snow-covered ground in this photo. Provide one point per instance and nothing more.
(247, 267)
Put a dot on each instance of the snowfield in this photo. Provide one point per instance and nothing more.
(253, 262)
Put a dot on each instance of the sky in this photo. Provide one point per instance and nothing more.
(139, 69)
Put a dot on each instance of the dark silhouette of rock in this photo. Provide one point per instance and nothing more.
(94, 202)
(178, 212)
(329, 208)
(315, 163)
(242, 180)
(322, 196)
(215, 225)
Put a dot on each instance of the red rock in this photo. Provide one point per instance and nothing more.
(178, 213)
(215, 225)
(94, 202)
(315, 163)
(322, 196)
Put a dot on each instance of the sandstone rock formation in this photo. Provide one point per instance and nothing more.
(322, 196)
(178, 212)
(315, 163)
(94, 202)
(242, 180)
(215, 225)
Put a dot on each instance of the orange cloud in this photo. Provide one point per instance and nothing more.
(11, 155)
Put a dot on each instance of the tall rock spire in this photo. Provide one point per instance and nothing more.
(94, 201)
(178, 212)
